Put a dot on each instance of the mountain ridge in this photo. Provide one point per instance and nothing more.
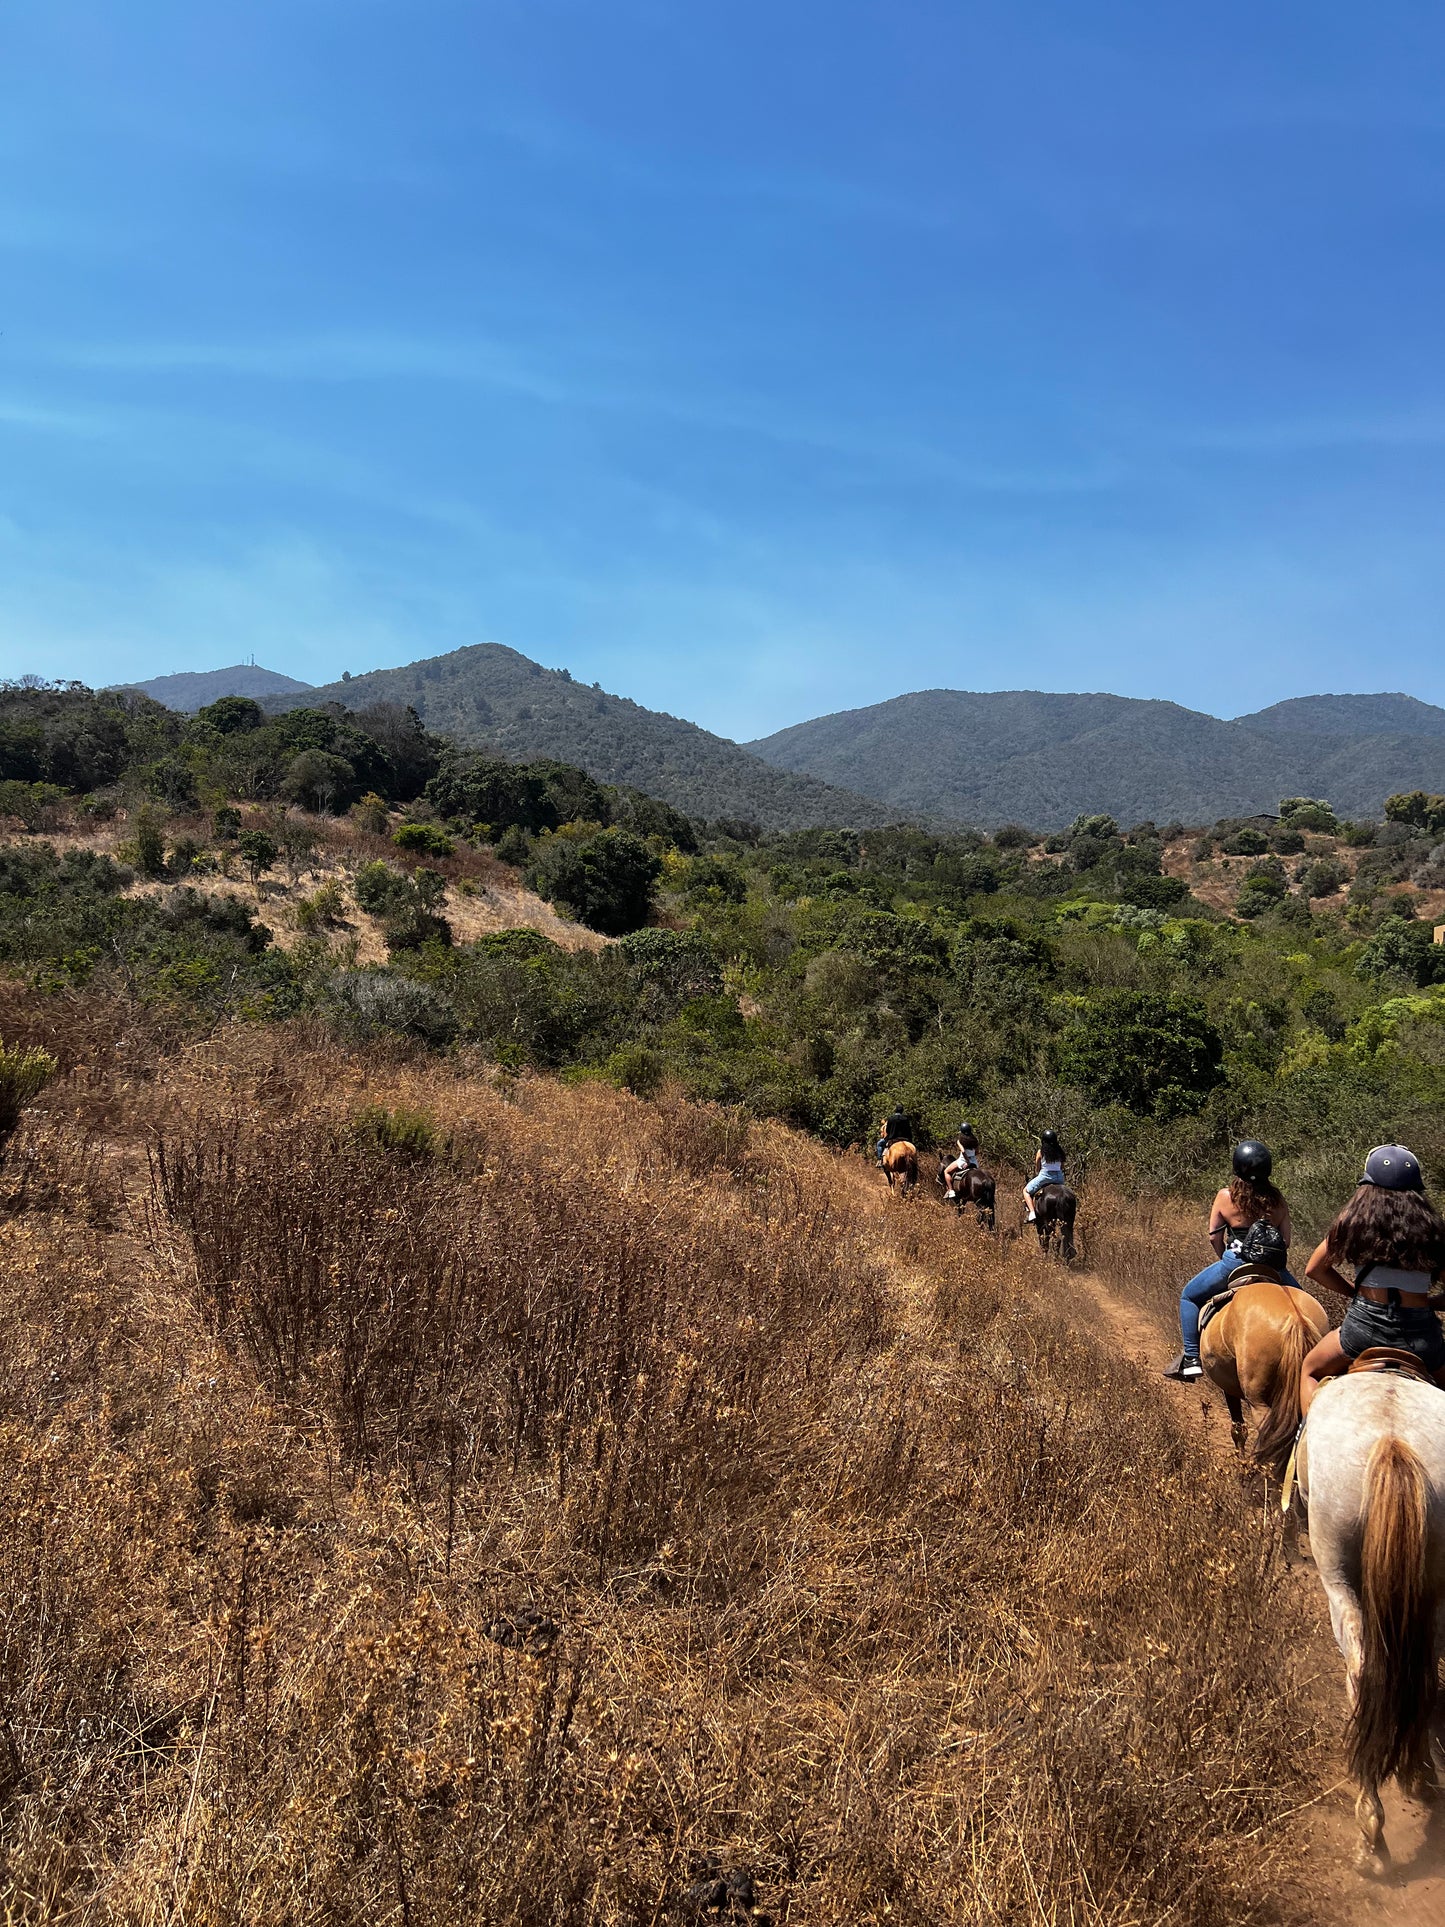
(1042, 758)
(490, 697)
(191, 689)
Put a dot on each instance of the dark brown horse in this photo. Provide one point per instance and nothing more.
(1055, 1207)
(900, 1165)
(970, 1186)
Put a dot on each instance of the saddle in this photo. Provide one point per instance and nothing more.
(1390, 1358)
(1240, 1277)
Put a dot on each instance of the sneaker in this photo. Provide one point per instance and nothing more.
(1031, 1219)
(1184, 1367)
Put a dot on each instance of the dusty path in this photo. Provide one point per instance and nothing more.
(1413, 1894)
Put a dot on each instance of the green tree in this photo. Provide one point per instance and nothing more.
(318, 780)
(259, 851)
(1159, 1056)
(232, 715)
(1403, 947)
(605, 880)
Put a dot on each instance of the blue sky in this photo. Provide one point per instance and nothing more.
(756, 360)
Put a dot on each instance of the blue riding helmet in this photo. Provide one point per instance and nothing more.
(1393, 1168)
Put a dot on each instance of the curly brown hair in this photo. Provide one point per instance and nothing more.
(1254, 1198)
(1401, 1229)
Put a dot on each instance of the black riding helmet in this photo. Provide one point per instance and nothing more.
(1252, 1160)
(1263, 1244)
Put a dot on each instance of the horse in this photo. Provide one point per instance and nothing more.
(1371, 1466)
(1054, 1208)
(970, 1186)
(900, 1164)
(1253, 1350)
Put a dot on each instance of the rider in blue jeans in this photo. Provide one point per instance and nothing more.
(1248, 1198)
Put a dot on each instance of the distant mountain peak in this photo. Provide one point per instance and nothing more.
(191, 689)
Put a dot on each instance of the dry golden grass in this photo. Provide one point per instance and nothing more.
(616, 1498)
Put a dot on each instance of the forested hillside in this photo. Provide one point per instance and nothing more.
(1151, 990)
(1028, 756)
(492, 698)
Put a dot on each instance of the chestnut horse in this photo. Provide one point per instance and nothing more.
(970, 1186)
(1253, 1349)
(900, 1164)
(1372, 1470)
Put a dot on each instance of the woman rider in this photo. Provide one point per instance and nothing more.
(967, 1159)
(1048, 1169)
(1248, 1198)
(1395, 1239)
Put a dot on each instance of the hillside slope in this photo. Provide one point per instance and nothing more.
(1042, 759)
(491, 697)
(191, 690)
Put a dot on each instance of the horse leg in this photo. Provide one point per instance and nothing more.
(1347, 1623)
(1238, 1432)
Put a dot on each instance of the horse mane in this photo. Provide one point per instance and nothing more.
(1389, 1730)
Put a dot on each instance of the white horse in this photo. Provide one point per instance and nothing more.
(1372, 1470)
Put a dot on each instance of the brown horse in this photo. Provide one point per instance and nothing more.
(970, 1186)
(900, 1164)
(1253, 1350)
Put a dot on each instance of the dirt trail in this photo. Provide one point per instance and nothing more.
(1413, 1893)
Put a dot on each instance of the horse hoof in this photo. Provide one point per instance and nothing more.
(1373, 1862)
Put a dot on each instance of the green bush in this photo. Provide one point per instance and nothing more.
(399, 1132)
(378, 888)
(149, 843)
(423, 839)
(1308, 813)
(1402, 947)
(24, 1073)
(605, 879)
(1245, 842)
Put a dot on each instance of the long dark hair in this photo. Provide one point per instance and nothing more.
(1050, 1148)
(1254, 1198)
(1400, 1229)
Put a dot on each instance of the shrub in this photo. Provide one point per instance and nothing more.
(1245, 842)
(1262, 890)
(149, 843)
(226, 823)
(184, 852)
(399, 1131)
(514, 846)
(423, 839)
(681, 964)
(1157, 1055)
(33, 804)
(1323, 878)
(24, 1073)
(1417, 811)
(1308, 813)
(378, 888)
(1403, 947)
(324, 909)
(367, 1003)
(604, 879)
(371, 814)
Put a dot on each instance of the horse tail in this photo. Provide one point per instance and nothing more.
(1276, 1434)
(1389, 1731)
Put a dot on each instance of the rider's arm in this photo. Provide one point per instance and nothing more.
(1219, 1225)
(1286, 1224)
(1320, 1271)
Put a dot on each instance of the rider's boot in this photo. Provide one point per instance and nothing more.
(1186, 1366)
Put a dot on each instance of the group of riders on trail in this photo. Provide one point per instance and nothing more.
(1389, 1234)
(897, 1128)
